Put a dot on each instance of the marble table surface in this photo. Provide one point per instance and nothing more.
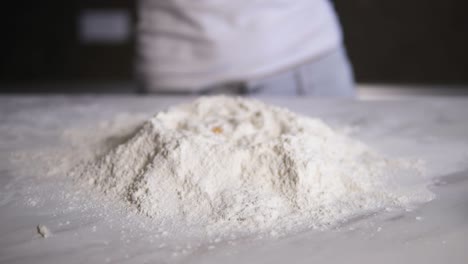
(84, 230)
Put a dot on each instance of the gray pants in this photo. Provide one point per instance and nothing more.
(328, 76)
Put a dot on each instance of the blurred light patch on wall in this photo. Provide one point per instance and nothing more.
(104, 26)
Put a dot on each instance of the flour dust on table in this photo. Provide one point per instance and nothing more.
(236, 164)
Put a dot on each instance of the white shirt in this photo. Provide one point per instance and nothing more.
(186, 45)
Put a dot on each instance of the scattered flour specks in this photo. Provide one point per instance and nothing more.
(43, 231)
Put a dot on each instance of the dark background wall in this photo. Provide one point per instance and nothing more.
(42, 43)
(395, 41)
(403, 41)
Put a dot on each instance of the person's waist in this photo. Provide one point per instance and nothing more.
(197, 76)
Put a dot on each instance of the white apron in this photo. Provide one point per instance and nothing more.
(186, 45)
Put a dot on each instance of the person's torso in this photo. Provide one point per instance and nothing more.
(190, 44)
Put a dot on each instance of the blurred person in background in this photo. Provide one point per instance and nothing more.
(249, 47)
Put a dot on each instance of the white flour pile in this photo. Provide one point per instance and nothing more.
(238, 164)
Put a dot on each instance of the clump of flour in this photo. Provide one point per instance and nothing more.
(238, 164)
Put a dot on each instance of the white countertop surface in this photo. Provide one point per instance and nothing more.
(434, 129)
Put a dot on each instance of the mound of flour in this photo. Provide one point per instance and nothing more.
(238, 164)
